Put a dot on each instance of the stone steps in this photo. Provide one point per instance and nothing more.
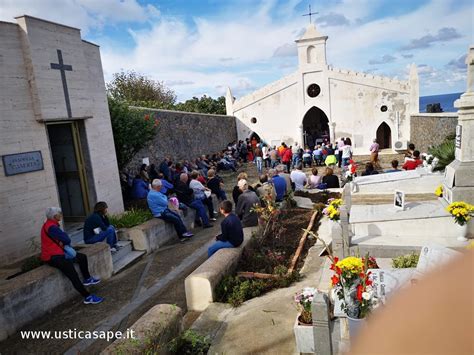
(127, 260)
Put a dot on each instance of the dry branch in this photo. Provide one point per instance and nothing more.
(257, 275)
(302, 241)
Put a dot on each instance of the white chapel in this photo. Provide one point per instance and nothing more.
(319, 102)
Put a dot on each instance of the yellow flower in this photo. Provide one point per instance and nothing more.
(351, 264)
(439, 191)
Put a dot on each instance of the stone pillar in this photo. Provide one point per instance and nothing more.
(459, 182)
(321, 324)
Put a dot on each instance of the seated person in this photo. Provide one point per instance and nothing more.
(266, 189)
(369, 170)
(413, 164)
(314, 179)
(298, 177)
(281, 172)
(186, 196)
(158, 204)
(394, 167)
(215, 184)
(201, 193)
(97, 227)
(331, 180)
(331, 160)
(166, 186)
(140, 188)
(279, 183)
(53, 241)
(236, 192)
(318, 155)
(232, 234)
(409, 153)
(307, 159)
(245, 205)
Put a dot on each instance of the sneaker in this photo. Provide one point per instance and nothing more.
(213, 219)
(208, 226)
(93, 299)
(113, 250)
(216, 214)
(91, 281)
(187, 235)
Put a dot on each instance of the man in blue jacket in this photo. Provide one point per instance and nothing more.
(279, 183)
(232, 234)
(158, 204)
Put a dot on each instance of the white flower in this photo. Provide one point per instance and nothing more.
(366, 295)
(368, 288)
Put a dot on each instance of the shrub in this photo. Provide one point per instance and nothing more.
(190, 342)
(131, 218)
(405, 261)
(444, 152)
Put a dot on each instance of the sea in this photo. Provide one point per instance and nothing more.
(446, 101)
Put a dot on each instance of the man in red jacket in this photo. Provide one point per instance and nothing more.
(286, 156)
(53, 241)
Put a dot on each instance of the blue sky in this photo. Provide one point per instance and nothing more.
(201, 47)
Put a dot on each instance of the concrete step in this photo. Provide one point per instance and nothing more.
(389, 246)
(125, 248)
(422, 219)
(127, 260)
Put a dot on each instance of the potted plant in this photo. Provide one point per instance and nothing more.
(303, 327)
(353, 286)
(462, 212)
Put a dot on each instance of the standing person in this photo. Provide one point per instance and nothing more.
(340, 145)
(346, 152)
(331, 180)
(158, 204)
(253, 143)
(152, 173)
(97, 227)
(245, 205)
(266, 155)
(298, 177)
(232, 234)
(259, 159)
(243, 151)
(374, 154)
(53, 242)
(273, 158)
(144, 173)
(286, 157)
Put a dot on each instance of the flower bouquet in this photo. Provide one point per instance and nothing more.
(303, 302)
(332, 209)
(353, 285)
(351, 171)
(461, 211)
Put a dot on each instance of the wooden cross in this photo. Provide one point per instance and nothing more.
(310, 13)
(63, 68)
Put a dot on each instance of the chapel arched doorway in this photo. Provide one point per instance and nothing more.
(384, 136)
(315, 127)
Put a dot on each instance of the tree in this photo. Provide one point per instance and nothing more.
(138, 90)
(205, 104)
(132, 130)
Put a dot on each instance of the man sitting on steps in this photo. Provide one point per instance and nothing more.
(158, 204)
(232, 234)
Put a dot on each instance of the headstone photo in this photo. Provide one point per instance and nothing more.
(399, 200)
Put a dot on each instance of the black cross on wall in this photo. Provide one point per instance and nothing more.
(62, 68)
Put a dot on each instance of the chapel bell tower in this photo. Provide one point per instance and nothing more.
(312, 49)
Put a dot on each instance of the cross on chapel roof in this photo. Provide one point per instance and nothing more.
(310, 13)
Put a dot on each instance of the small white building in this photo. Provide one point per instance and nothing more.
(57, 147)
(318, 102)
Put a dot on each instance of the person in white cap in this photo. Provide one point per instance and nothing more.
(245, 203)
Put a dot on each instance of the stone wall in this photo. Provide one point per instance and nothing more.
(428, 129)
(186, 135)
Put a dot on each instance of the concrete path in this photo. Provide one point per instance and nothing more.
(263, 325)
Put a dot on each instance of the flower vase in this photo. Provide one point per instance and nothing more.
(304, 335)
(462, 232)
(355, 324)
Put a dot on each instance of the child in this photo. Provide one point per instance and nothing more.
(232, 233)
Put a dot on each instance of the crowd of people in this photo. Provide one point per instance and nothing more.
(171, 187)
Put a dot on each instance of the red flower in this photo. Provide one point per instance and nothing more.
(156, 122)
(147, 117)
(368, 282)
(359, 292)
(335, 280)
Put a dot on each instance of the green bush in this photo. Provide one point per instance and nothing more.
(190, 342)
(444, 152)
(131, 218)
(405, 261)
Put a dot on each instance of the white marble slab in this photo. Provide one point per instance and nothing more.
(422, 185)
(386, 177)
(303, 202)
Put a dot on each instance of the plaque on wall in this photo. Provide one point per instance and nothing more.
(14, 164)
(458, 136)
